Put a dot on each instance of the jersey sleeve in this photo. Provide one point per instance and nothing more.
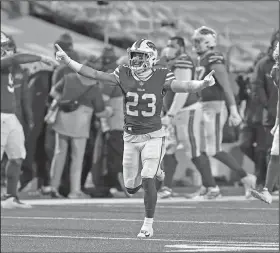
(117, 73)
(168, 79)
(184, 62)
(184, 68)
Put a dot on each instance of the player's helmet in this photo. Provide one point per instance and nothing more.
(204, 39)
(8, 45)
(142, 55)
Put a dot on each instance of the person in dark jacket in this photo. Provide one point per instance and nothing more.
(39, 86)
(273, 165)
(252, 133)
(266, 92)
(66, 42)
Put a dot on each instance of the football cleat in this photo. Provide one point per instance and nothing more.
(264, 196)
(212, 193)
(165, 192)
(201, 191)
(10, 202)
(146, 233)
(249, 183)
(205, 193)
(55, 194)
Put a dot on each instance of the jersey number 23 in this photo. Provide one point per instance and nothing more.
(151, 104)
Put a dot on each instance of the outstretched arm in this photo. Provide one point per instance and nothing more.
(19, 59)
(84, 70)
(192, 86)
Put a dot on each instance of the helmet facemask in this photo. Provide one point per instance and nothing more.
(139, 61)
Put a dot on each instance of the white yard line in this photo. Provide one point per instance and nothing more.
(132, 220)
(257, 244)
(62, 202)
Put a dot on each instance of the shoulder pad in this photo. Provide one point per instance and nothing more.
(216, 57)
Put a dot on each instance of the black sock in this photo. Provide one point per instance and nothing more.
(13, 174)
(228, 160)
(150, 196)
(169, 164)
(202, 164)
(261, 166)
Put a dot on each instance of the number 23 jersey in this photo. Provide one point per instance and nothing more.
(143, 100)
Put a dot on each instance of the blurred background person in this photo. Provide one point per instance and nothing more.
(39, 84)
(65, 40)
(12, 134)
(218, 103)
(265, 93)
(273, 165)
(184, 112)
(112, 129)
(77, 99)
(252, 139)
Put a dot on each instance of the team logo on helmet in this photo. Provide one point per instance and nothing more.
(151, 45)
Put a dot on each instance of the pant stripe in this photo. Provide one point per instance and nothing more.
(161, 153)
(218, 129)
(191, 133)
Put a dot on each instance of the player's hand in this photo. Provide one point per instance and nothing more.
(166, 120)
(209, 79)
(61, 56)
(234, 119)
(273, 130)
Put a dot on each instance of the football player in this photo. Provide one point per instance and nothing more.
(214, 101)
(185, 113)
(273, 165)
(143, 88)
(12, 136)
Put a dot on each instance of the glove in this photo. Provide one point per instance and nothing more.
(61, 56)
(209, 79)
(166, 120)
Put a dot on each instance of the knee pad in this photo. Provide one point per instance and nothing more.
(133, 190)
